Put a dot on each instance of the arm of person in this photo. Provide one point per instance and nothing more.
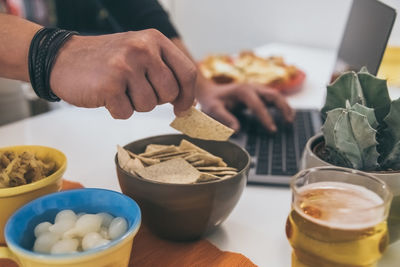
(218, 100)
(15, 38)
(125, 72)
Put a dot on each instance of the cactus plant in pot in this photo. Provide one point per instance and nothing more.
(361, 131)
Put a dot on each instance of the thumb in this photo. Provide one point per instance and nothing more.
(179, 113)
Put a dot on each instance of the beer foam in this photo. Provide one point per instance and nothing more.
(340, 205)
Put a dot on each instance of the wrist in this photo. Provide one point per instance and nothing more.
(43, 51)
(63, 58)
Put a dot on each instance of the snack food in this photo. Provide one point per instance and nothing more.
(19, 169)
(248, 67)
(197, 124)
(177, 170)
(183, 164)
(77, 232)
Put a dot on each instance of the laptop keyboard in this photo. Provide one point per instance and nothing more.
(278, 153)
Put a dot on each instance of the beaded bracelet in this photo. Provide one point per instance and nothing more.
(43, 51)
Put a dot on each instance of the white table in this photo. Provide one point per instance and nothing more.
(89, 137)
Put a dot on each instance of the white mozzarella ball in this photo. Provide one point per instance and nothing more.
(45, 241)
(104, 232)
(41, 228)
(85, 224)
(72, 233)
(65, 215)
(62, 226)
(80, 232)
(106, 218)
(65, 246)
(118, 227)
(90, 240)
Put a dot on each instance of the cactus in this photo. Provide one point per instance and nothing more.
(392, 143)
(358, 113)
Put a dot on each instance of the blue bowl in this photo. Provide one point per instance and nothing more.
(19, 230)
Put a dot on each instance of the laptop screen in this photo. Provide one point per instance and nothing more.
(365, 37)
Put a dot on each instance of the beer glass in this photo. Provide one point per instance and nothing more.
(338, 218)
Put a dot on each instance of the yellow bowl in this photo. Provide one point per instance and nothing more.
(12, 198)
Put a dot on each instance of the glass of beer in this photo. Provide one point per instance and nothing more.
(338, 218)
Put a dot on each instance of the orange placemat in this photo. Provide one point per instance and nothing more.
(149, 250)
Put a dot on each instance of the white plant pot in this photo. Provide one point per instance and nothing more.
(392, 179)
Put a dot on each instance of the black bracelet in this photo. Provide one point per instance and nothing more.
(33, 50)
(42, 54)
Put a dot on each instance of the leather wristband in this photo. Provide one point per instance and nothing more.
(43, 52)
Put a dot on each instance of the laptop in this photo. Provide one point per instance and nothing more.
(276, 157)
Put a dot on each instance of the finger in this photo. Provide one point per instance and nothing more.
(185, 112)
(220, 113)
(119, 106)
(163, 82)
(256, 105)
(185, 73)
(141, 93)
(182, 113)
(272, 96)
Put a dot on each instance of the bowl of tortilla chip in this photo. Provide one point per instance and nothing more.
(185, 187)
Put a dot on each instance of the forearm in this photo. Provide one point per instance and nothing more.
(15, 38)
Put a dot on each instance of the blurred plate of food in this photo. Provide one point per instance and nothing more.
(247, 67)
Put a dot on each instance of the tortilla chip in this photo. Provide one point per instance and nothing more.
(177, 171)
(133, 165)
(172, 154)
(188, 146)
(123, 156)
(222, 173)
(161, 151)
(185, 145)
(197, 124)
(198, 163)
(216, 169)
(226, 177)
(173, 157)
(192, 157)
(147, 161)
(152, 147)
(206, 177)
(208, 159)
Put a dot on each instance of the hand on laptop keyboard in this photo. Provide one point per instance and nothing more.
(218, 100)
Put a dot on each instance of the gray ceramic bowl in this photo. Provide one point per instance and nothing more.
(184, 212)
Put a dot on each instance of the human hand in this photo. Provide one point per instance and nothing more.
(218, 100)
(125, 72)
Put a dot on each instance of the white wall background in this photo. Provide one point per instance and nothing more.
(228, 26)
(395, 37)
